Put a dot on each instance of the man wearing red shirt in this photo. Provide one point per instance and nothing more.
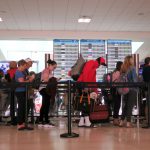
(89, 75)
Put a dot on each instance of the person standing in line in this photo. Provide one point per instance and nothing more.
(28, 74)
(28, 66)
(47, 73)
(146, 78)
(11, 71)
(20, 93)
(116, 96)
(129, 100)
(89, 75)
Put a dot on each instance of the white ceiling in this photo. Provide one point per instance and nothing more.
(41, 19)
(107, 15)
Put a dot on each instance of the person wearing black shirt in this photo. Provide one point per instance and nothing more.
(146, 70)
(146, 78)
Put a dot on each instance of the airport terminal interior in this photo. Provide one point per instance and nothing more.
(57, 33)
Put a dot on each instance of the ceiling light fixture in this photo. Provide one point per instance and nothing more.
(1, 19)
(84, 19)
(140, 14)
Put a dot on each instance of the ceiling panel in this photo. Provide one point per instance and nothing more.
(107, 15)
(46, 14)
(31, 9)
(60, 11)
(18, 14)
(73, 13)
(9, 21)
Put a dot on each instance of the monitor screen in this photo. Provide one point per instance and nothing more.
(4, 66)
(140, 71)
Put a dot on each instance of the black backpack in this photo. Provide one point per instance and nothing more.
(37, 80)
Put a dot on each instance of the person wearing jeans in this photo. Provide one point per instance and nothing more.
(130, 98)
(116, 96)
(20, 93)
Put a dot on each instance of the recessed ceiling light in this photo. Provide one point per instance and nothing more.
(84, 19)
(140, 14)
(1, 19)
(2, 11)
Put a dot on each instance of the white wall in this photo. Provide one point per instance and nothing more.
(16, 50)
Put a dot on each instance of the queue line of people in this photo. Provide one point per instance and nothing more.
(21, 74)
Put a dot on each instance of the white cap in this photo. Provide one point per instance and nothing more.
(28, 60)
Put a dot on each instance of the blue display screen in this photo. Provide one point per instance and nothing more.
(4, 67)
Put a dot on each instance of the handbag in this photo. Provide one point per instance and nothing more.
(99, 113)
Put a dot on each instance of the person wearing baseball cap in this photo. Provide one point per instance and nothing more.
(29, 65)
(89, 75)
(89, 71)
(101, 61)
(29, 62)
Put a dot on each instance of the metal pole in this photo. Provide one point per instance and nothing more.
(26, 106)
(148, 103)
(70, 134)
(12, 107)
(69, 107)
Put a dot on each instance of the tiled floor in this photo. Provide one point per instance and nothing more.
(105, 137)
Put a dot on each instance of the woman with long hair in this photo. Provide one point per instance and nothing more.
(47, 74)
(129, 100)
(115, 94)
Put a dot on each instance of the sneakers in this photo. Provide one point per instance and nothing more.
(81, 122)
(85, 122)
(46, 125)
(22, 127)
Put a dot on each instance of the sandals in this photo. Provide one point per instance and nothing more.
(121, 124)
(129, 125)
(116, 122)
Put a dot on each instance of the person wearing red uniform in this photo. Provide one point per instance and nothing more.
(89, 71)
(12, 70)
(89, 75)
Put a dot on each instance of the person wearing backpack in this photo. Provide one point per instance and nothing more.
(89, 75)
(115, 95)
(129, 99)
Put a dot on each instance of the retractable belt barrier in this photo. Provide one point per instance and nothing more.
(70, 86)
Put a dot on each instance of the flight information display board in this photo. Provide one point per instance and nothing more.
(65, 53)
(117, 50)
(92, 49)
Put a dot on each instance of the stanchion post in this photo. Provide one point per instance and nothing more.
(26, 105)
(12, 107)
(148, 103)
(70, 134)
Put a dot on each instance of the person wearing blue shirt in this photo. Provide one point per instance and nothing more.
(20, 93)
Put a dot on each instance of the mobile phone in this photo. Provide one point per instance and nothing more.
(58, 79)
